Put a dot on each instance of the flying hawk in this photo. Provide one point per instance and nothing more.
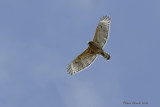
(95, 48)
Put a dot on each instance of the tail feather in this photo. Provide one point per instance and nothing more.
(106, 55)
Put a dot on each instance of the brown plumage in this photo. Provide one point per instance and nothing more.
(94, 47)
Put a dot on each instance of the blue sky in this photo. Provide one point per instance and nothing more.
(39, 38)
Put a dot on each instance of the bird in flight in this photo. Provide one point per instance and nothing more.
(95, 47)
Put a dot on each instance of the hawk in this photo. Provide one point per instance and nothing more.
(95, 48)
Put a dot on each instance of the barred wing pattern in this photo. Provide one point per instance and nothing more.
(102, 31)
(81, 62)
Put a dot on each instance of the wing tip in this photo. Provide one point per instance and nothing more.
(71, 71)
(105, 18)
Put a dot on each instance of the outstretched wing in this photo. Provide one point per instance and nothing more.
(81, 62)
(102, 31)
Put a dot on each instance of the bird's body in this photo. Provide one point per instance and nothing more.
(95, 48)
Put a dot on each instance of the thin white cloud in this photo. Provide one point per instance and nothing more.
(81, 94)
(84, 4)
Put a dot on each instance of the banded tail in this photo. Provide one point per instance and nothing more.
(106, 55)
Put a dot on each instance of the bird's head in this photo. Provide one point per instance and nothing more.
(90, 43)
